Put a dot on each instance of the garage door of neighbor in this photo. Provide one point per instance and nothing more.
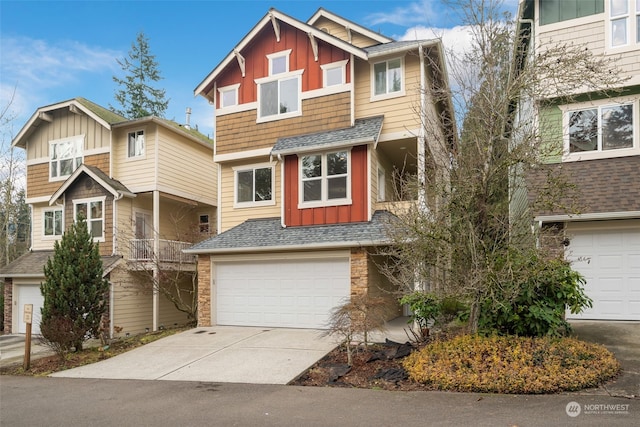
(293, 293)
(29, 294)
(610, 262)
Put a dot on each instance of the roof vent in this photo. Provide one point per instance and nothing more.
(187, 124)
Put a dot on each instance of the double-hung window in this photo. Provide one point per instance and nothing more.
(254, 185)
(325, 179)
(65, 156)
(92, 210)
(135, 144)
(279, 93)
(334, 74)
(602, 128)
(53, 224)
(624, 22)
(388, 78)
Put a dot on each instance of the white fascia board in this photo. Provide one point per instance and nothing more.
(346, 23)
(596, 216)
(266, 20)
(291, 248)
(241, 155)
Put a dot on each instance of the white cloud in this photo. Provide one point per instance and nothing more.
(409, 14)
(457, 39)
(33, 67)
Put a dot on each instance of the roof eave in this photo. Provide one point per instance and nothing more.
(285, 248)
(340, 144)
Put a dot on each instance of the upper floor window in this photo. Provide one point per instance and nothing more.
(203, 223)
(325, 179)
(66, 156)
(53, 225)
(254, 185)
(229, 95)
(135, 144)
(279, 93)
(387, 78)
(93, 212)
(601, 128)
(552, 11)
(334, 73)
(624, 22)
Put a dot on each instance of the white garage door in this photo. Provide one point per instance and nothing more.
(294, 293)
(29, 294)
(610, 262)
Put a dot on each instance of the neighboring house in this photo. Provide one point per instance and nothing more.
(147, 188)
(597, 141)
(317, 123)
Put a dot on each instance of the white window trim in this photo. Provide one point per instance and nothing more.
(44, 212)
(144, 148)
(325, 202)
(606, 154)
(632, 36)
(382, 184)
(208, 223)
(102, 199)
(388, 95)
(283, 53)
(333, 65)
(253, 167)
(75, 138)
(222, 90)
(277, 77)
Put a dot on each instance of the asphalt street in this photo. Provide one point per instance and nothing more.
(29, 401)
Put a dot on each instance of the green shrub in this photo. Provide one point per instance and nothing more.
(508, 364)
(534, 303)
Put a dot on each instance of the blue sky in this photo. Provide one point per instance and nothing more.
(51, 51)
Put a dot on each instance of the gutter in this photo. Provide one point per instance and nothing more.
(596, 216)
(288, 248)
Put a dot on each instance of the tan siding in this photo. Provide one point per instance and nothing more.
(124, 229)
(239, 131)
(39, 241)
(399, 112)
(133, 302)
(186, 168)
(66, 124)
(231, 216)
(135, 173)
(593, 35)
(337, 30)
(168, 315)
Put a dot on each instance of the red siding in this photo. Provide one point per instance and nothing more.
(356, 212)
(257, 65)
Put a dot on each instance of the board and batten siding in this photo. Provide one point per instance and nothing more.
(231, 216)
(186, 168)
(399, 112)
(66, 124)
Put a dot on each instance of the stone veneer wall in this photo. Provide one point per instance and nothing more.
(204, 290)
(8, 305)
(359, 272)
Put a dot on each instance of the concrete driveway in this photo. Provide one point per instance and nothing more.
(217, 354)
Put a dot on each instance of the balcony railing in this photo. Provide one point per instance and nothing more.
(169, 251)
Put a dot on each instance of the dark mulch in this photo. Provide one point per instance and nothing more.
(378, 366)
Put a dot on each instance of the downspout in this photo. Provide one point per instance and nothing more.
(352, 69)
(282, 195)
(156, 235)
(112, 296)
(422, 202)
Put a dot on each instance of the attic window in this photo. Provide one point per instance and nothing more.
(334, 74)
(229, 95)
(279, 62)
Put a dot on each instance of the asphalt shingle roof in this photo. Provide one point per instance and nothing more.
(363, 131)
(268, 234)
(31, 264)
(380, 49)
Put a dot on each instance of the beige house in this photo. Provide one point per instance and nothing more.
(317, 123)
(596, 141)
(148, 190)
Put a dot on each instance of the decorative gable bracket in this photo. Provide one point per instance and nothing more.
(241, 61)
(276, 26)
(314, 46)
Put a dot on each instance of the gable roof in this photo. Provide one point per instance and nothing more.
(100, 114)
(115, 187)
(31, 265)
(266, 20)
(364, 131)
(267, 234)
(324, 13)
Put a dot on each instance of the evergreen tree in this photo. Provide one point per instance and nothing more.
(136, 97)
(74, 290)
